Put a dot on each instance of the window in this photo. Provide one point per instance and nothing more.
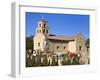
(46, 31)
(38, 44)
(57, 47)
(87, 49)
(40, 31)
(64, 47)
(80, 48)
(44, 25)
(43, 30)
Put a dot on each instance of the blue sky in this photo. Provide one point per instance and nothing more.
(59, 24)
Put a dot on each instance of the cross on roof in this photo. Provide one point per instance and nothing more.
(42, 17)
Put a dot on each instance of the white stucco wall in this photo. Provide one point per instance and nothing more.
(39, 38)
(72, 46)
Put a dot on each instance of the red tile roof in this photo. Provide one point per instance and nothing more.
(58, 37)
(61, 37)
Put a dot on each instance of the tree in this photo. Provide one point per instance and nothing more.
(28, 62)
(87, 42)
(29, 43)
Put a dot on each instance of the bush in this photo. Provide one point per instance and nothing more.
(28, 63)
(33, 61)
(75, 61)
(38, 57)
(54, 62)
(64, 56)
(45, 61)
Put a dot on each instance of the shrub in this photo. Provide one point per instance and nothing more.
(75, 61)
(54, 62)
(45, 61)
(64, 57)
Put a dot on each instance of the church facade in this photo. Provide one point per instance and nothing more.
(59, 44)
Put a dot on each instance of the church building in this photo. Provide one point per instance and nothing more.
(59, 44)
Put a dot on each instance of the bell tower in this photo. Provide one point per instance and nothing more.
(42, 27)
(40, 36)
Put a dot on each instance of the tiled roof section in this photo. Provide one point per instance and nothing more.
(43, 20)
(59, 37)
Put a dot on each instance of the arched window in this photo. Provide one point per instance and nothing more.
(80, 48)
(57, 47)
(38, 44)
(46, 31)
(40, 31)
(43, 30)
(64, 47)
(44, 24)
